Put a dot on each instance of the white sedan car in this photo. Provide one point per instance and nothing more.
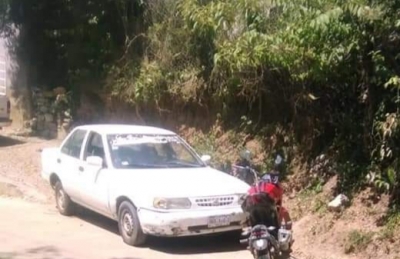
(148, 179)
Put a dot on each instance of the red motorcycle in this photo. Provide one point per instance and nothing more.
(266, 238)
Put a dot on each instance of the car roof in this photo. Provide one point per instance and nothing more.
(125, 129)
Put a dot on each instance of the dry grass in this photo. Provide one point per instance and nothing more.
(357, 240)
(9, 190)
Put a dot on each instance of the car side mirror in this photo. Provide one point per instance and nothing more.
(205, 158)
(95, 161)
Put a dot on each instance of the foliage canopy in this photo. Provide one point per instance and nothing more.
(326, 70)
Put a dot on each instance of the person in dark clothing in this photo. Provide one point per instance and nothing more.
(263, 204)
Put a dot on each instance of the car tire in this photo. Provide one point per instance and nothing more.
(129, 225)
(64, 204)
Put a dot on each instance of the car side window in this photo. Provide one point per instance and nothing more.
(95, 147)
(182, 153)
(72, 147)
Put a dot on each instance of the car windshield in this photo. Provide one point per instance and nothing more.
(151, 151)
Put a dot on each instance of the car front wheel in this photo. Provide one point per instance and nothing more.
(64, 204)
(129, 225)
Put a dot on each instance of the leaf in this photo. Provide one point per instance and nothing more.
(217, 58)
(312, 97)
(391, 176)
(393, 81)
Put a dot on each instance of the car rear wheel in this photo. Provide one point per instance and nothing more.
(64, 204)
(129, 225)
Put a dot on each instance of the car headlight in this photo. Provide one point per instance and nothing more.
(260, 244)
(171, 203)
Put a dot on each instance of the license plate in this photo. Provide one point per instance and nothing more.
(219, 221)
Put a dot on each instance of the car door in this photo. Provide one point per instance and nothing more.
(70, 161)
(94, 181)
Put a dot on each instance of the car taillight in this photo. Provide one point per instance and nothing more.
(8, 107)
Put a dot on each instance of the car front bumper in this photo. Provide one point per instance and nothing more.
(188, 223)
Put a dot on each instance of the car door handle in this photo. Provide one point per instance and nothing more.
(81, 169)
(58, 160)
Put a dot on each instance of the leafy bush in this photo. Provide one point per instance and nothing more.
(324, 70)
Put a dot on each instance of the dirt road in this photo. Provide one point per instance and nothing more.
(31, 230)
(31, 227)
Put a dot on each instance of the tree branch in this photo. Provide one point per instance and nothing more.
(128, 46)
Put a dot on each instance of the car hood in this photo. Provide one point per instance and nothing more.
(180, 182)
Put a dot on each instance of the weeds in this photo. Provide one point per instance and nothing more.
(391, 226)
(205, 144)
(357, 240)
(313, 189)
(320, 206)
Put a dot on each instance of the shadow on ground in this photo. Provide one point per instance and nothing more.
(7, 142)
(226, 242)
(43, 252)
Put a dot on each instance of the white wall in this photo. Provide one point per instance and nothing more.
(3, 67)
(17, 87)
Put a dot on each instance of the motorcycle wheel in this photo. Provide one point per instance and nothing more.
(266, 256)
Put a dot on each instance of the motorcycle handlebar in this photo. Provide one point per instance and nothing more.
(241, 167)
(254, 172)
(245, 167)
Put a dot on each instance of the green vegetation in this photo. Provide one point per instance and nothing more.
(322, 76)
(357, 241)
(392, 223)
(320, 206)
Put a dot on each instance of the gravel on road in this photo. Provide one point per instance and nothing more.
(20, 165)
